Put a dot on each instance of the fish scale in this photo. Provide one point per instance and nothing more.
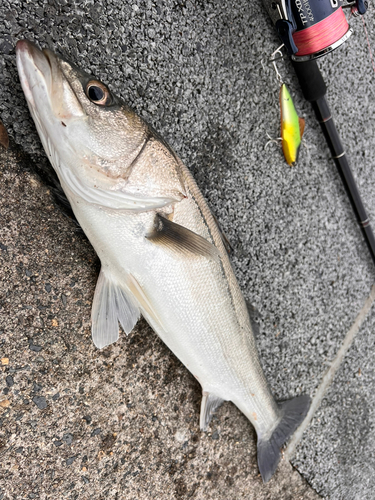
(162, 254)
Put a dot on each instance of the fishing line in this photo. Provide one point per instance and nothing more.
(368, 44)
(354, 12)
(328, 376)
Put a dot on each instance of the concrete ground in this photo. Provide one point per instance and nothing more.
(122, 423)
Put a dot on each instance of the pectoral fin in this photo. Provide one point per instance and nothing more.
(181, 240)
(111, 305)
(209, 405)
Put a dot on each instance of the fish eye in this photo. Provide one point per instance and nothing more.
(98, 93)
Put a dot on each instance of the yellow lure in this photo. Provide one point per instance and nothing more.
(292, 126)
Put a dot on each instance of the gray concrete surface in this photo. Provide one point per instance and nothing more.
(121, 423)
(194, 70)
(340, 442)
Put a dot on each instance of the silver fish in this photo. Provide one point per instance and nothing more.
(162, 254)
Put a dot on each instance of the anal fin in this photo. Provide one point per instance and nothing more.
(111, 305)
(209, 405)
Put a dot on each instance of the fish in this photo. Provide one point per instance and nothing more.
(162, 253)
(292, 126)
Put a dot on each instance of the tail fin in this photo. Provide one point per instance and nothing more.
(293, 412)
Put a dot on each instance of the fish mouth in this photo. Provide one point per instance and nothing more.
(42, 79)
(42, 82)
(35, 70)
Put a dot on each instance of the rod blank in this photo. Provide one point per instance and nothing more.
(314, 90)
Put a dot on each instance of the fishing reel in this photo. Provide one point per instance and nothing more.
(311, 28)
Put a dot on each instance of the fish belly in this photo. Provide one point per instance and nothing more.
(197, 312)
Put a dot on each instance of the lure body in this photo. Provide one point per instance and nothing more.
(292, 126)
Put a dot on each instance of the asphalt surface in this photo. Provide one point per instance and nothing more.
(198, 73)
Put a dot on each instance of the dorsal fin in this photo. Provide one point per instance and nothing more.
(254, 314)
(224, 238)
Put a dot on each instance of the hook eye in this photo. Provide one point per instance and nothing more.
(276, 56)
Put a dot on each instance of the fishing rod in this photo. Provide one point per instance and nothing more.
(309, 29)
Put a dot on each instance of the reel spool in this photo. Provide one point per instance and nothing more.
(311, 28)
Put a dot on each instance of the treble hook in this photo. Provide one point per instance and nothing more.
(273, 60)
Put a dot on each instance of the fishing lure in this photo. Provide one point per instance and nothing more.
(292, 126)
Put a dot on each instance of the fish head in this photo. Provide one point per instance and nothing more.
(82, 125)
